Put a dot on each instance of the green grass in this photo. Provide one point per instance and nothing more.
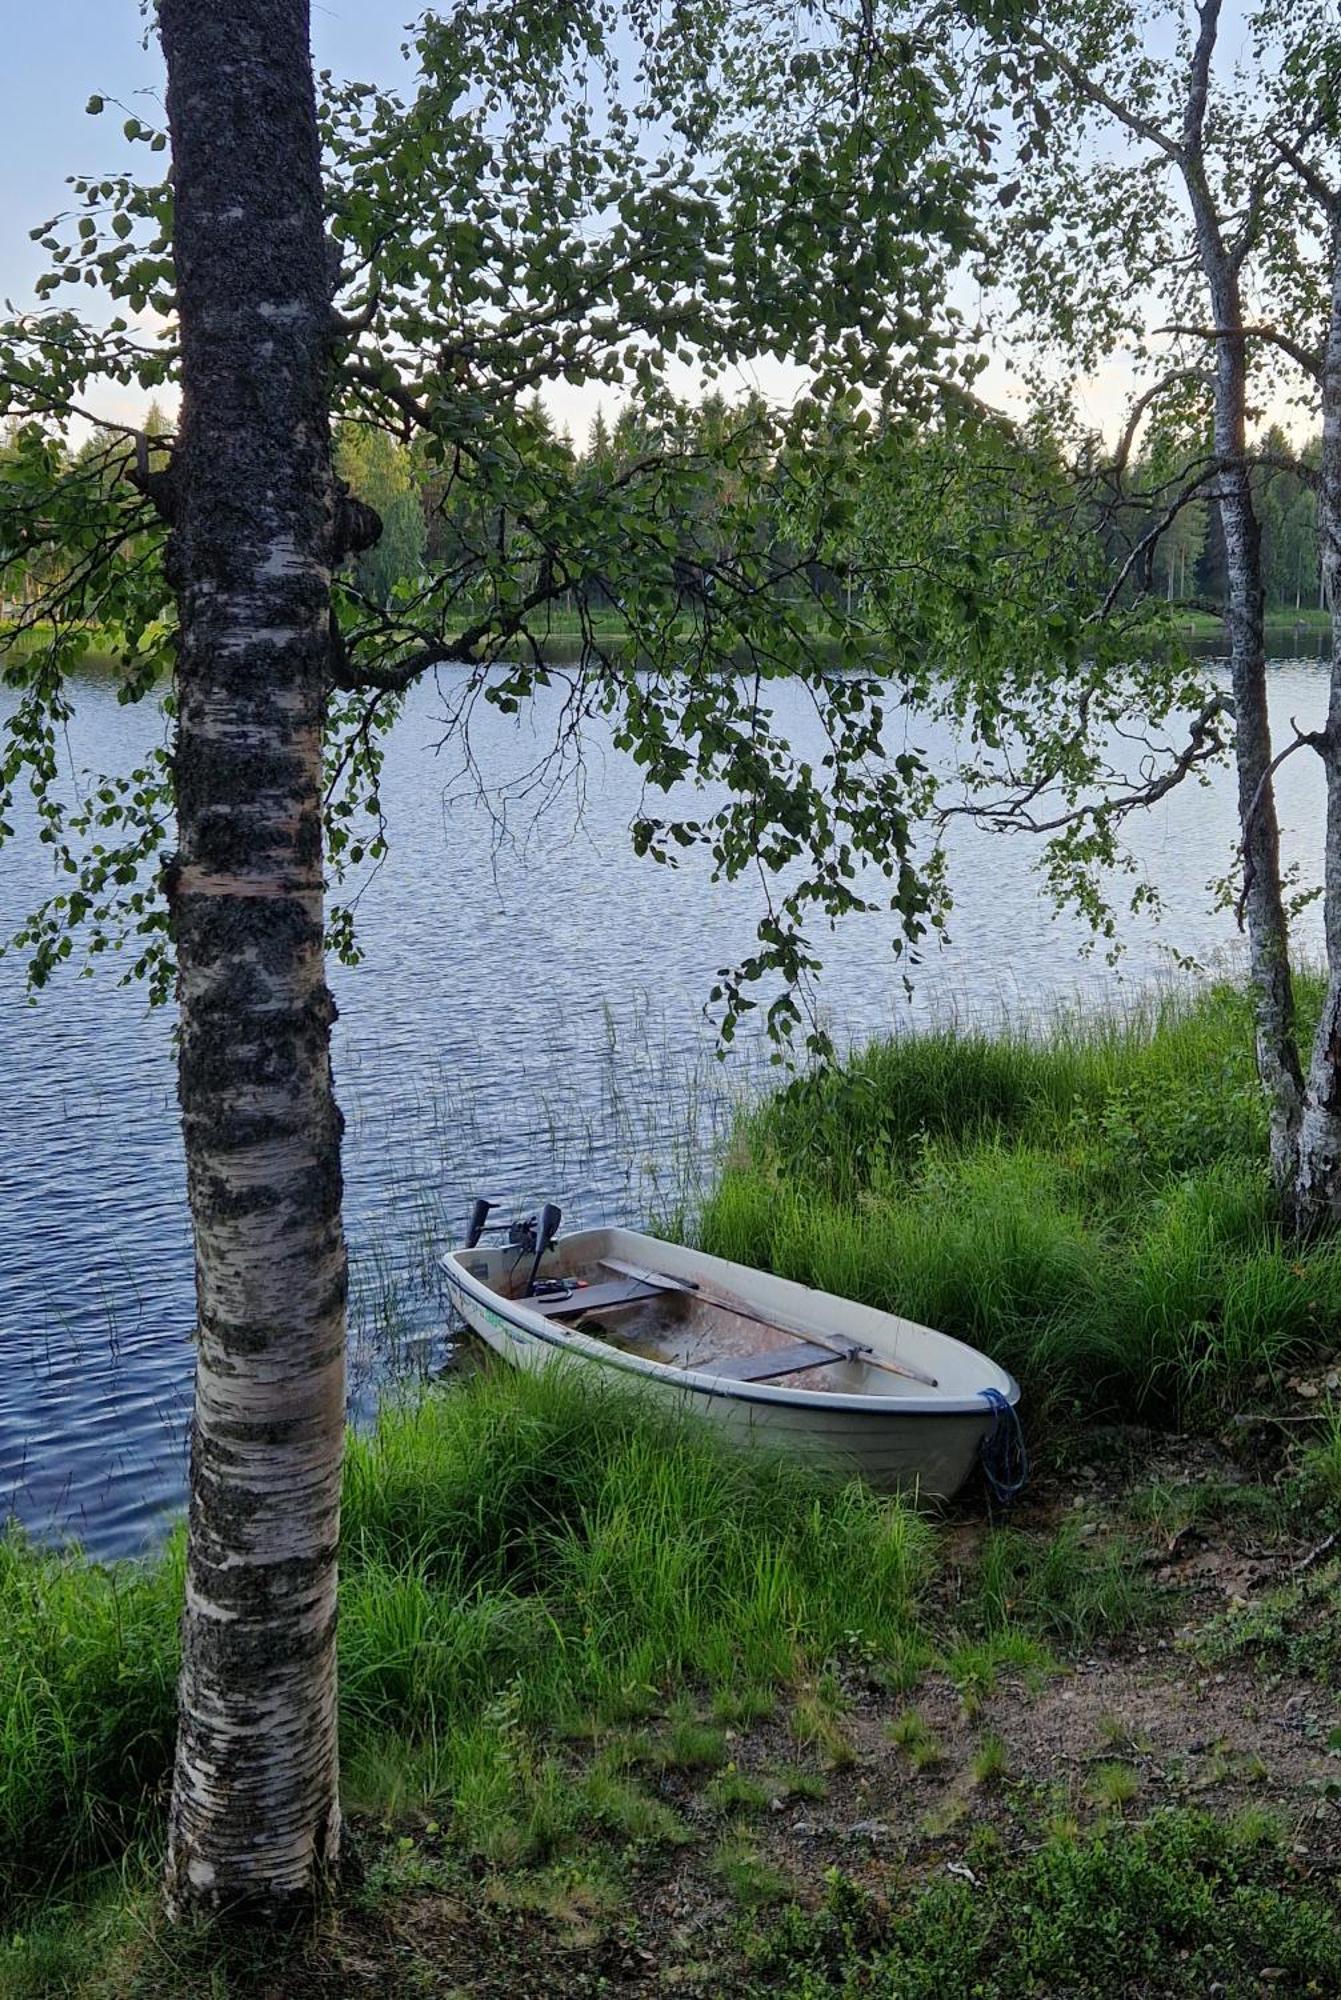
(87, 1684)
(1181, 1907)
(1091, 1205)
(1296, 1626)
(66, 1948)
(522, 1559)
(1321, 1467)
(1281, 620)
(817, 1729)
(910, 1731)
(748, 1875)
(1114, 1786)
(1167, 1509)
(525, 1561)
(1061, 1588)
(688, 1744)
(592, 1556)
(556, 1604)
(991, 1762)
(733, 1791)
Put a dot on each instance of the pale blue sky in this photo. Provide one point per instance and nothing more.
(59, 53)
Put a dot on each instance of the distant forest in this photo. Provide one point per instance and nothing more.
(1190, 560)
(431, 521)
(425, 522)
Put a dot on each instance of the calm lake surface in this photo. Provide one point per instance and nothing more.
(528, 1022)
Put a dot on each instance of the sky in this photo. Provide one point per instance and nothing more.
(60, 53)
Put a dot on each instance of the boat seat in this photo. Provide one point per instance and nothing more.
(775, 1361)
(593, 1298)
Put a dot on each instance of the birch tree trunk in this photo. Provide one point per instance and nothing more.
(254, 1817)
(1278, 1061)
(1319, 1178)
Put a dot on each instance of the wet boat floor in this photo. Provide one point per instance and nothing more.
(680, 1331)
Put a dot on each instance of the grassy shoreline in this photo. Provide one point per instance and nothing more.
(1091, 1206)
(1308, 618)
(668, 1719)
(562, 644)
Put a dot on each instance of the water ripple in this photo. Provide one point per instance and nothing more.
(526, 1022)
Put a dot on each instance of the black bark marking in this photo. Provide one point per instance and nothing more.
(357, 525)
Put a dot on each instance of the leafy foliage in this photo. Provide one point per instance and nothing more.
(554, 198)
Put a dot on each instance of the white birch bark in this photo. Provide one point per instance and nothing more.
(254, 1817)
(1264, 904)
(1319, 1176)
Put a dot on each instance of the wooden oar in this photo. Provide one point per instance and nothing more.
(850, 1351)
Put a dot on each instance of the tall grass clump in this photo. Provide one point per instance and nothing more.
(532, 1560)
(88, 1666)
(572, 1551)
(1091, 1203)
(524, 1560)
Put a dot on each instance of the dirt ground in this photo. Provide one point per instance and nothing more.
(1182, 1710)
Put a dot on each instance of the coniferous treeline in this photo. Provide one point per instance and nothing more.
(431, 517)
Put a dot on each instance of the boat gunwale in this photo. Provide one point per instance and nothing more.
(536, 1327)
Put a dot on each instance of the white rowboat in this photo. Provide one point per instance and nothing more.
(769, 1360)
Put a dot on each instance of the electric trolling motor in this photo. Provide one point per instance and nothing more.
(531, 1236)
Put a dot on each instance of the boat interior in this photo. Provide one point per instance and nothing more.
(682, 1322)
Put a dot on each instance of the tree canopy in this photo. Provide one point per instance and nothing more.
(572, 194)
(589, 197)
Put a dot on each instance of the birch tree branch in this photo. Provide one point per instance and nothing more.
(1204, 742)
(1094, 93)
(1306, 358)
(1318, 186)
(1143, 403)
(1304, 739)
(1199, 81)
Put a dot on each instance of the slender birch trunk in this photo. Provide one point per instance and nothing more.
(1278, 1061)
(1267, 926)
(255, 1815)
(1221, 264)
(1319, 1179)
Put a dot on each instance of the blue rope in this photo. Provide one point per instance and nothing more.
(1005, 1462)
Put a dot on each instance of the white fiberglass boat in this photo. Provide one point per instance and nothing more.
(773, 1361)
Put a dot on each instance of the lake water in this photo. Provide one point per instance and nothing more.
(528, 1022)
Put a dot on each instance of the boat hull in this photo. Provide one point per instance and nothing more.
(907, 1437)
